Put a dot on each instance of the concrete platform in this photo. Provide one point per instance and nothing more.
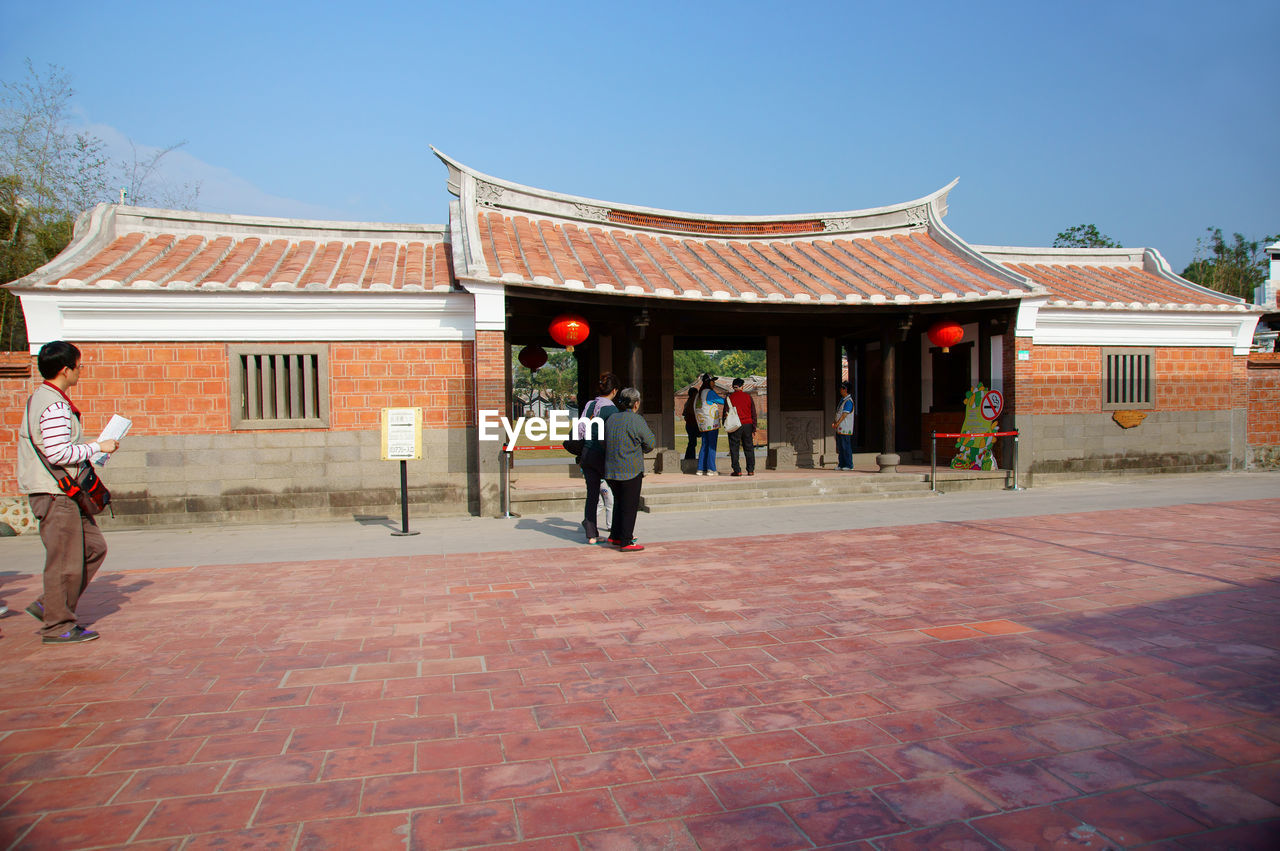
(1090, 666)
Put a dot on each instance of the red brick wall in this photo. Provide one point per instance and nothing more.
(16, 369)
(1068, 379)
(182, 388)
(491, 378)
(1264, 399)
(364, 378)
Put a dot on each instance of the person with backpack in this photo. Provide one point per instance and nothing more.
(592, 458)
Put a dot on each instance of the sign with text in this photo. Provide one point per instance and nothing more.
(401, 434)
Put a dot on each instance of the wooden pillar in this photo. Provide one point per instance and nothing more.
(773, 369)
(830, 382)
(635, 350)
(604, 357)
(667, 391)
(888, 459)
(984, 352)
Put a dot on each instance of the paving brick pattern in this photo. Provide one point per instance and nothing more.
(1098, 680)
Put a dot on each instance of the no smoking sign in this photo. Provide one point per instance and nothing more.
(992, 404)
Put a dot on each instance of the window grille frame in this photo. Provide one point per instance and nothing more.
(1128, 379)
(307, 390)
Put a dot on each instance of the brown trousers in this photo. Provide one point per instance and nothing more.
(74, 550)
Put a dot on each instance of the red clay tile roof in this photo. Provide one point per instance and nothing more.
(1134, 278)
(527, 237)
(135, 249)
(521, 249)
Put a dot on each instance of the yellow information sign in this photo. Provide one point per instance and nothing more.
(401, 434)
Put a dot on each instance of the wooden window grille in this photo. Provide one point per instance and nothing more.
(1128, 380)
(279, 387)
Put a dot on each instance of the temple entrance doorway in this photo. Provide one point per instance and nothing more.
(689, 364)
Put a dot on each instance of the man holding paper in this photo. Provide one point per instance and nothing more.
(49, 439)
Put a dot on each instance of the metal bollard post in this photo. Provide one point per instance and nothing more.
(1015, 462)
(506, 461)
(933, 464)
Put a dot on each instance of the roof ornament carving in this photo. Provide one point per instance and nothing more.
(488, 193)
(592, 212)
(918, 215)
(837, 224)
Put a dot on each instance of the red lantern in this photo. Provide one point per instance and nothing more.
(946, 334)
(569, 330)
(533, 357)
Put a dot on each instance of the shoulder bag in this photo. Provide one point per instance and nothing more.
(84, 487)
(732, 422)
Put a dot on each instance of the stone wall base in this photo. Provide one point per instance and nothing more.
(16, 517)
(1264, 458)
(276, 477)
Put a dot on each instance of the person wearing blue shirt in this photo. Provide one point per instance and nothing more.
(710, 413)
(843, 425)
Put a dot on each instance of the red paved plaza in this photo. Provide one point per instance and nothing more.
(1067, 681)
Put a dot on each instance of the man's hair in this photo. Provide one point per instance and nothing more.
(627, 398)
(56, 356)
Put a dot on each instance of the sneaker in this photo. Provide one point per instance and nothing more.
(702, 472)
(36, 611)
(751, 472)
(735, 473)
(76, 635)
(712, 473)
(631, 548)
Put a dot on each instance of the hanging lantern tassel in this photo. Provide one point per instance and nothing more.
(533, 358)
(569, 330)
(946, 334)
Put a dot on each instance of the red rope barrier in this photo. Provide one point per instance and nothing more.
(978, 434)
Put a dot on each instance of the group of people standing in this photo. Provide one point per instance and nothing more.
(614, 466)
(706, 411)
(616, 461)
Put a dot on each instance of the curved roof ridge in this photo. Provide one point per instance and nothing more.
(1055, 256)
(499, 193)
(153, 220)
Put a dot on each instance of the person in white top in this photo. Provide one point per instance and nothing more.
(73, 543)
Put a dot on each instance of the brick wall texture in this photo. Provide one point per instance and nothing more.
(1068, 379)
(1264, 399)
(183, 388)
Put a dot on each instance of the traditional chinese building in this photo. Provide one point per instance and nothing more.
(254, 355)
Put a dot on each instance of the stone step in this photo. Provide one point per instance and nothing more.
(689, 493)
(796, 499)
(779, 491)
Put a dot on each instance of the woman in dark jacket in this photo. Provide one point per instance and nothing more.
(627, 438)
(592, 458)
(691, 425)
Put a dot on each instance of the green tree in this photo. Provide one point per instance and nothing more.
(1234, 268)
(741, 363)
(1084, 236)
(689, 364)
(49, 174)
(556, 380)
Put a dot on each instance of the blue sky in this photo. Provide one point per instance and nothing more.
(1153, 120)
